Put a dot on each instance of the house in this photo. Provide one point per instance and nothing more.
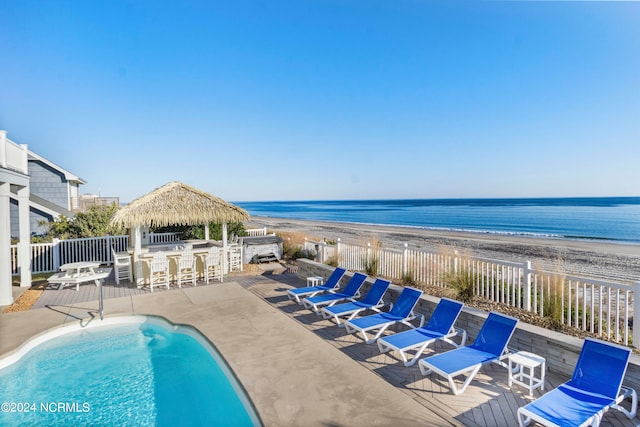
(14, 184)
(54, 191)
(32, 189)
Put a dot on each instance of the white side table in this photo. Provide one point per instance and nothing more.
(315, 281)
(517, 364)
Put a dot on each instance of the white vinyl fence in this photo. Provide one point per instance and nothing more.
(48, 257)
(597, 306)
(253, 232)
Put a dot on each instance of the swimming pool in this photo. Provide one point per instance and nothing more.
(130, 370)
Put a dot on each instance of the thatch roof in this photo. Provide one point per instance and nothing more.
(176, 203)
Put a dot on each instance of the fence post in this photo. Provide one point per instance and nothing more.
(455, 261)
(108, 249)
(323, 251)
(526, 271)
(636, 315)
(338, 244)
(405, 259)
(55, 249)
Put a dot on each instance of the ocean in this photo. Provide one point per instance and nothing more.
(615, 219)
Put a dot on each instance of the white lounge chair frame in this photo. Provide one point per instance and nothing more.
(309, 291)
(382, 326)
(336, 297)
(357, 307)
(419, 347)
(470, 370)
(525, 415)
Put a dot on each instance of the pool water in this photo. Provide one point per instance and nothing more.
(138, 374)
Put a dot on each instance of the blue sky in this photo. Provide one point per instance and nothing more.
(324, 99)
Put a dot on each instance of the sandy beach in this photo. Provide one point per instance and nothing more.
(585, 258)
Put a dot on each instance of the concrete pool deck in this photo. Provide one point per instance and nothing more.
(297, 368)
(292, 376)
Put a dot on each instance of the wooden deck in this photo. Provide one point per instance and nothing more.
(487, 402)
(53, 296)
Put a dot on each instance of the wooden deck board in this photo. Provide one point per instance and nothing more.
(488, 401)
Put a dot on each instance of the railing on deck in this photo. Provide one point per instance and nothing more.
(252, 232)
(13, 156)
(48, 257)
(163, 237)
(597, 306)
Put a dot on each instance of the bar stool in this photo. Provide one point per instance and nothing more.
(213, 265)
(122, 269)
(235, 258)
(186, 268)
(159, 271)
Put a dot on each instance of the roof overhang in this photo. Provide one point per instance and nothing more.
(67, 175)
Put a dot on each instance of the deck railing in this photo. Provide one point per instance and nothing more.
(598, 306)
(48, 257)
(252, 232)
(13, 156)
(163, 237)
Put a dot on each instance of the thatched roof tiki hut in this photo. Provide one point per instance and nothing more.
(176, 203)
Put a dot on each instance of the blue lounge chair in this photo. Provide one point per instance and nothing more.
(439, 327)
(371, 301)
(596, 386)
(489, 346)
(401, 312)
(331, 284)
(351, 291)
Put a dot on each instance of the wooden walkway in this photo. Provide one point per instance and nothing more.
(488, 401)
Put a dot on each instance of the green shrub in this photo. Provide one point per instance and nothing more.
(553, 307)
(294, 252)
(196, 232)
(407, 279)
(371, 265)
(462, 283)
(93, 222)
(333, 261)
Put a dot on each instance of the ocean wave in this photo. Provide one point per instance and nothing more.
(612, 219)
